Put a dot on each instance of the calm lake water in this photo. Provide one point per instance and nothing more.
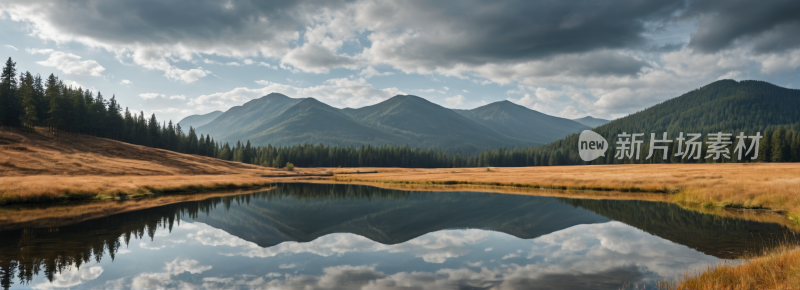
(315, 236)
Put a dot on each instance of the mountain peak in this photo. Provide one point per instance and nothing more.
(275, 95)
(591, 121)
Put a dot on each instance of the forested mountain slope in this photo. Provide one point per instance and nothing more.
(195, 121)
(722, 106)
(520, 122)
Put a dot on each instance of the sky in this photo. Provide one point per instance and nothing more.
(569, 59)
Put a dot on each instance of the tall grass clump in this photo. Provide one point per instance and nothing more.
(777, 268)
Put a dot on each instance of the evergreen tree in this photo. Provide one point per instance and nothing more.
(10, 109)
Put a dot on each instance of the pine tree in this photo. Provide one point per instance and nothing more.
(777, 145)
(10, 109)
(153, 132)
(27, 94)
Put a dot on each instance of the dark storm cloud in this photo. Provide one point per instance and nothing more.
(769, 26)
(169, 22)
(582, 37)
(479, 32)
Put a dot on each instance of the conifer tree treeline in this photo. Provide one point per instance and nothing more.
(27, 101)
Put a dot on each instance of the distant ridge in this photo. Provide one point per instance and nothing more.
(591, 121)
(195, 121)
(523, 123)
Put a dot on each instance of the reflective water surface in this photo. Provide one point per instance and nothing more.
(315, 236)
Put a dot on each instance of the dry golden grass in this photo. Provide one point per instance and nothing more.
(36, 167)
(774, 186)
(778, 268)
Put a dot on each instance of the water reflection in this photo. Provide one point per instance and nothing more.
(302, 236)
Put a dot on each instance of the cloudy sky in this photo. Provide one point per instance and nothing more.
(565, 58)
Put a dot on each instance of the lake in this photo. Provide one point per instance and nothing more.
(321, 236)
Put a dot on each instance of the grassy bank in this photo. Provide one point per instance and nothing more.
(61, 189)
(778, 268)
(774, 186)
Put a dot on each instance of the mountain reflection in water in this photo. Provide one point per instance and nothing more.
(317, 236)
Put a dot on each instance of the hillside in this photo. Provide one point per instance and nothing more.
(39, 167)
(591, 121)
(195, 121)
(722, 106)
(520, 122)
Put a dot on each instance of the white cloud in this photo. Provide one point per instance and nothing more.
(465, 91)
(71, 278)
(125, 82)
(10, 46)
(455, 100)
(267, 65)
(369, 72)
(435, 247)
(509, 256)
(69, 63)
(148, 96)
(287, 266)
(163, 280)
(233, 63)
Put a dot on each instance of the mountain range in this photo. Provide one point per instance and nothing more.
(404, 119)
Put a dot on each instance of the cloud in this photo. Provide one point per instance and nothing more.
(148, 96)
(267, 65)
(455, 100)
(68, 63)
(285, 266)
(71, 278)
(10, 46)
(730, 24)
(510, 256)
(163, 280)
(435, 247)
(369, 72)
(621, 55)
(125, 82)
